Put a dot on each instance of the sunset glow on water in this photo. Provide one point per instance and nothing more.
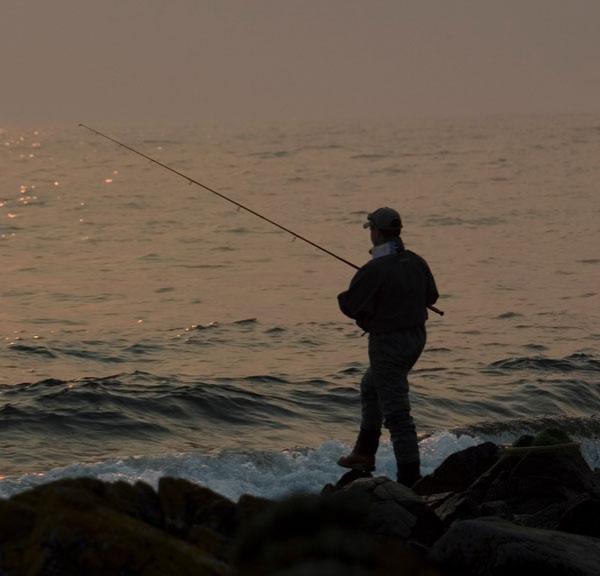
(148, 288)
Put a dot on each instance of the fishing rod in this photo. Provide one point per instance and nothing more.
(234, 202)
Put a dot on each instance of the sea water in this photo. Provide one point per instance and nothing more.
(149, 327)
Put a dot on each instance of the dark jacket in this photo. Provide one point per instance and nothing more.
(390, 293)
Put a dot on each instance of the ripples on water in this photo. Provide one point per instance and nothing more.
(142, 412)
(153, 321)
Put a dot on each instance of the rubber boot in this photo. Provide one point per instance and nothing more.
(409, 473)
(362, 456)
(408, 464)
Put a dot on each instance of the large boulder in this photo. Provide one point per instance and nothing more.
(493, 547)
(582, 516)
(84, 526)
(16, 521)
(185, 505)
(304, 535)
(309, 535)
(529, 479)
(138, 500)
(596, 481)
(249, 506)
(535, 482)
(579, 515)
(457, 472)
(394, 510)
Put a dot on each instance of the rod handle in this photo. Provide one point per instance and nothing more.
(436, 310)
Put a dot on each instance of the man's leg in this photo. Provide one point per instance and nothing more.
(371, 416)
(392, 356)
(363, 453)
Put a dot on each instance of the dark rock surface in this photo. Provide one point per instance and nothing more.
(582, 516)
(533, 508)
(531, 480)
(494, 547)
(184, 505)
(459, 470)
(458, 506)
(394, 510)
(85, 526)
(312, 535)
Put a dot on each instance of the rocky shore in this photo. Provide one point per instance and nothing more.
(531, 508)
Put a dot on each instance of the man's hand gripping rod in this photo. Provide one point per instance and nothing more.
(192, 181)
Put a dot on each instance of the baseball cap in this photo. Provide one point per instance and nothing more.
(386, 219)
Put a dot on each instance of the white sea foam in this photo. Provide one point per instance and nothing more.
(268, 474)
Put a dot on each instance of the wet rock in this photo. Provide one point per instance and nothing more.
(531, 479)
(249, 507)
(549, 517)
(184, 504)
(458, 507)
(210, 542)
(83, 493)
(547, 495)
(531, 484)
(493, 547)
(306, 533)
(551, 437)
(459, 470)
(74, 527)
(310, 535)
(582, 516)
(345, 480)
(16, 520)
(496, 508)
(394, 510)
(596, 481)
(138, 501)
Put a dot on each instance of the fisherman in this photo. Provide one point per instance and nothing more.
(388, 298)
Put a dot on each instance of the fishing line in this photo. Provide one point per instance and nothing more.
(234, 202)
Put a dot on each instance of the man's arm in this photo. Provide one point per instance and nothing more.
(432, 291)
(358, 302)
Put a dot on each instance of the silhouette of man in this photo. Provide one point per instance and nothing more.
(388, 298)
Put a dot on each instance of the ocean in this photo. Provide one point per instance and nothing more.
(150, 328)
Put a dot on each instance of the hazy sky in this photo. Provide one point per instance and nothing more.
(210, 60)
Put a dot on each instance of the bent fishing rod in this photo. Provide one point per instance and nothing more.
(234, 202)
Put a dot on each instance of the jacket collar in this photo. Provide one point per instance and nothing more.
(391, 247)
